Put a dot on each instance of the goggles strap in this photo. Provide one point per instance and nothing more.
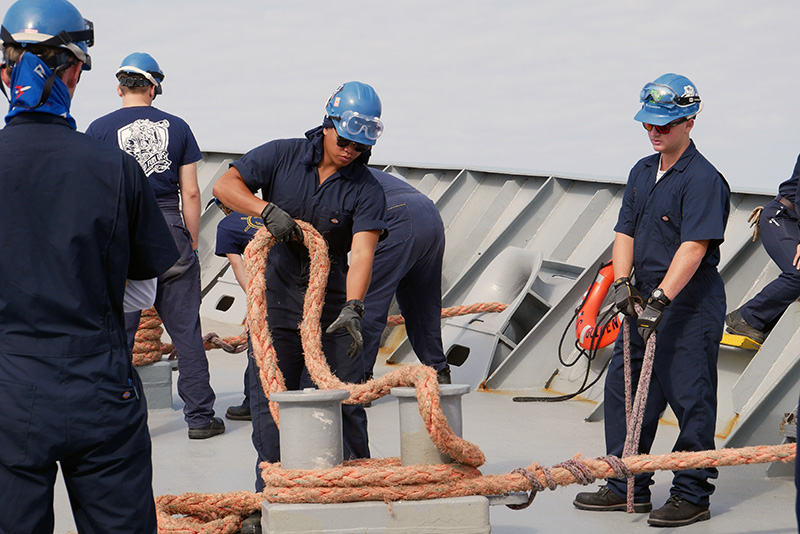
(65, 38)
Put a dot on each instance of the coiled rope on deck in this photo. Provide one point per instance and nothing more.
(147, 346)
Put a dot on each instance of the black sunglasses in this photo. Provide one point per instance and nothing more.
(342, 142)
(664, 130)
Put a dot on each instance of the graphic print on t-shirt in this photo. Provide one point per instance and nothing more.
(147, 141)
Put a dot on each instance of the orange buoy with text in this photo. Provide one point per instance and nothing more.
(590, 335)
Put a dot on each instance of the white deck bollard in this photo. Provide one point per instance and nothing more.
(416, 446)
(311, 427)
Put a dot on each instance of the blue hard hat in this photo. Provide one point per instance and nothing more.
(144, 64)
(54, 23)
(667, 98)
(356, 110)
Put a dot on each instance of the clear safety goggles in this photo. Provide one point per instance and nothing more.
(353, 123)
(664, 94)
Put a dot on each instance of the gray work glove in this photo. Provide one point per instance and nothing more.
(350, 318)
(648, 320)
(626, 297)
(280, 224)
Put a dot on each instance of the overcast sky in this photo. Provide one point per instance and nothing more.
(546, 86)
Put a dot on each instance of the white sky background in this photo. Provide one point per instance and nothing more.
(549, 86)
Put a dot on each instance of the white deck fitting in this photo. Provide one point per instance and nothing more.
(311, 427)
(157, 384)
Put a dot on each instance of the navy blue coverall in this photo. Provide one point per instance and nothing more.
(780, 234)
(348, 202)
(78, 219)
(691, 202)
(408, 264)
(162, 143)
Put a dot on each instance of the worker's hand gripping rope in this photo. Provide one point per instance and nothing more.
(626, 297)
(280, 224)
(650, 317)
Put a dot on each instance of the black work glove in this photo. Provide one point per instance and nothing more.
(280, 224)
(626, 297)
(350, 318)
(649, 318)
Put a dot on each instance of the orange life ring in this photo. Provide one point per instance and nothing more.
(586, 330)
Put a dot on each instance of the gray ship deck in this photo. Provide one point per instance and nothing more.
(510, 434)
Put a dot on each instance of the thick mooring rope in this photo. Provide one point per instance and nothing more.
(385, 479)
(634, 407)
(455, 311)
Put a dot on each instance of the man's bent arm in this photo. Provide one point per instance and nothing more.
(683, 266)
(231, 190)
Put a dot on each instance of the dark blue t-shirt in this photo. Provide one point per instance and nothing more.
(690, 202)
(160, 142)
(78, 219)
(235, 231)
(348, 202)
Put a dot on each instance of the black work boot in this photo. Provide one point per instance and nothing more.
(605, 500)
(443, 375)
(212, 428)
(239, 413)
(736, 324)
(678, 512)
(252, 525)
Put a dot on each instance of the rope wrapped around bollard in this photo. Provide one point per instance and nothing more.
(423, 378)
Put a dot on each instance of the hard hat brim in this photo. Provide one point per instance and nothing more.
(657, 119)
